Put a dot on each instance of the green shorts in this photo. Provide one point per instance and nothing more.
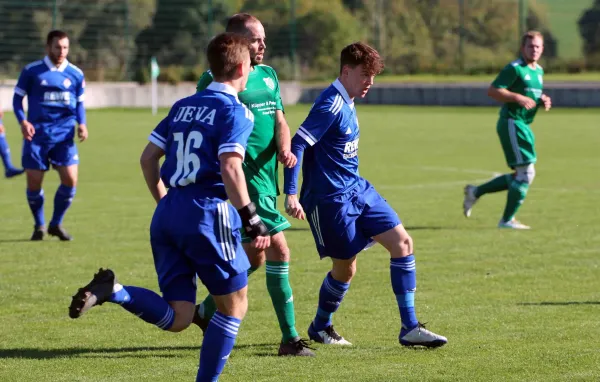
(518, 142)
(266, 208)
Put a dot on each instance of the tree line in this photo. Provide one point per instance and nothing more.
(114, 39)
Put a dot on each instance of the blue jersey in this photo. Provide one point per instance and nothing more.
(196, 132)
(55, 99)
(330, 165)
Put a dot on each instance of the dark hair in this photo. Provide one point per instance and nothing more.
(359, 53)
(225, 52)
(530, 35)
(55, 34)
(238, 23)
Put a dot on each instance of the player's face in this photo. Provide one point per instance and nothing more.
(256, 34)
(359, 81)
(58, 50)
(533, 49)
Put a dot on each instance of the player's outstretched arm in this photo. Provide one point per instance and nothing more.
(237, 192)
(150, 162)
(284, 141)
(290, 180)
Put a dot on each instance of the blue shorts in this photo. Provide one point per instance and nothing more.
(39, 156)
(344, 225)
(201, 237)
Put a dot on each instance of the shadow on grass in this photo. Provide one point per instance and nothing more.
(124, 352)
(23, 240)
(558, 303)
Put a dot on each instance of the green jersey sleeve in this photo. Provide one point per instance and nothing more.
(506, 77)
(204, 81)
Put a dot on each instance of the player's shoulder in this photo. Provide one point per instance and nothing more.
(34, 65)
(539, 68)
(330, 100)
(267, 69)
(75, 70)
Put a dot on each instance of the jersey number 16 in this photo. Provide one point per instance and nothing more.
(188, 163)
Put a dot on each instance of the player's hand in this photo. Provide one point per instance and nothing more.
(526, 102)
(287, 158)
(261, 242)
(27, 130)
(2, 129)
(294, 208)
(547, 102)
(82, 132)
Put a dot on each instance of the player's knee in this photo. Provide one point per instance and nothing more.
(279, 250)
(344, 270)
(255, 257)
(525, 174)
(406, 245)
(183, 315)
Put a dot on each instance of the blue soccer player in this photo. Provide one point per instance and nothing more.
(55, 92)
(9, 169)
(345, 213)
(194, 230)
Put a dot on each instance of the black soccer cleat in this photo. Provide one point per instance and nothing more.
(59, 231)
(97, 292)
(199, 320)
(297, 347)
(38, 233)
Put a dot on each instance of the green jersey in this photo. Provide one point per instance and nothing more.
(518, 77)
(263, 98)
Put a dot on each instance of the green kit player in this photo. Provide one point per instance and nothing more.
(268, 143)
(519, 86)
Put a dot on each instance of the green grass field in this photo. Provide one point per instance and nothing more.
(515, 306)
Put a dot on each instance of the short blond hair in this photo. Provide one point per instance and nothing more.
(530, 35)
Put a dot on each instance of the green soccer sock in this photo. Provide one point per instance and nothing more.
(278, 285)
(207, 308)
(499, 183)
(517, 191)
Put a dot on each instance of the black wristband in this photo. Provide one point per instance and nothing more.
(251, 222)
(247, 212)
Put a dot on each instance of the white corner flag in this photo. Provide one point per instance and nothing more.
(154, 72)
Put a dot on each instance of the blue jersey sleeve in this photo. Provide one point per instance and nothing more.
(80, 93)
(238, 124)
(23, 84)
(161, 132)
(21, 90)
(319, 119)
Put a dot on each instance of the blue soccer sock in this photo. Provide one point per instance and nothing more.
(217, 345)
(145, 304)
(62, 201)
(330, 297)
(5, 153)
(404, 283)
(36, 205)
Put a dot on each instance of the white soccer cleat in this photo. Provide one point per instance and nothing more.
(470, 199)
(327, 336)
(513, 224)
(420, 336)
